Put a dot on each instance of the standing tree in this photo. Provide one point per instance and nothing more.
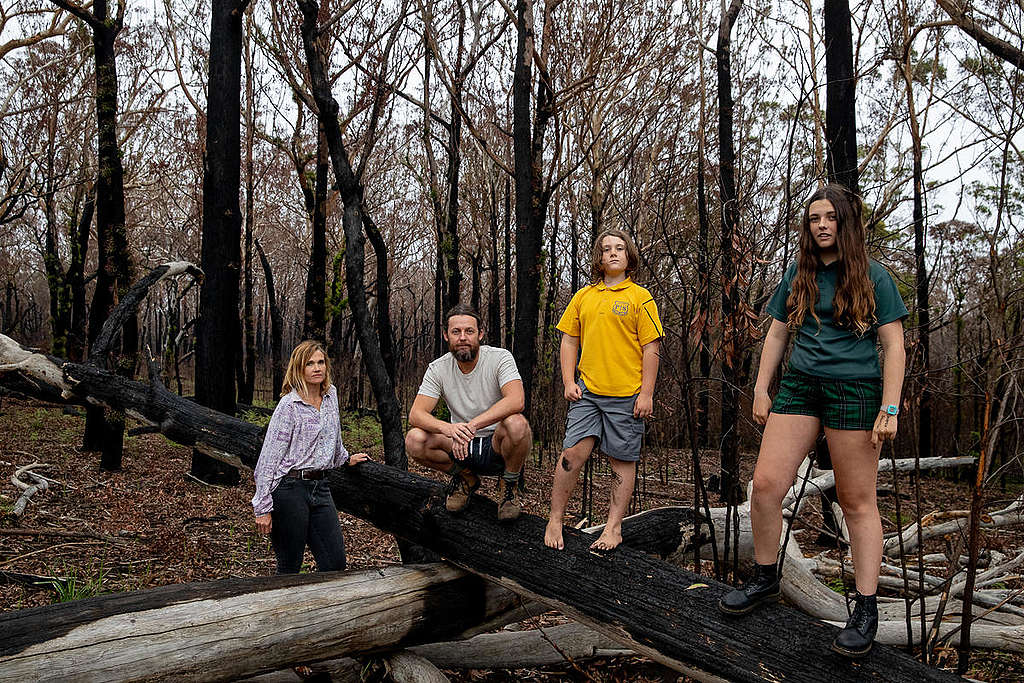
(217, 330)
(531, 197)
(733, 320)
(105, 429)
(840, 95)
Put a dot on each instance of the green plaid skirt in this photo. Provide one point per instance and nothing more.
(838, 403)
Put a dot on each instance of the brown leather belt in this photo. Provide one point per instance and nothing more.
(307, 474)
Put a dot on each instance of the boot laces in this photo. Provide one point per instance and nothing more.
(860, 618)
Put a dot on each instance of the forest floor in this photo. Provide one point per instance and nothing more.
(151, 524)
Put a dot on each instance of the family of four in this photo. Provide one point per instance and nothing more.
(839, 304)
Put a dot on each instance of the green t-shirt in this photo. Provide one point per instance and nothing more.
(831, 351)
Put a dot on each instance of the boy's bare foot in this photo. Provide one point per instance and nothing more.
(553, 535)
(607, 541)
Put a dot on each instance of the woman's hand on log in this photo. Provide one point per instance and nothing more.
(263, 523)
(357, 458)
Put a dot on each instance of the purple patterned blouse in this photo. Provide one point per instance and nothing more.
(299, 437)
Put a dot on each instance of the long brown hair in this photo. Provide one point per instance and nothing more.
(854, 302)
(632, 254)
(294, 377)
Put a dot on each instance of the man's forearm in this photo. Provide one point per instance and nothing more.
(509, 405)
(426, 422)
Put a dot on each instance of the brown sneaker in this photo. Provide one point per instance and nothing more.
(460, 489)
(508, 493)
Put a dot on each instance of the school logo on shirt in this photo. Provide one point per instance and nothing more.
(620, 307)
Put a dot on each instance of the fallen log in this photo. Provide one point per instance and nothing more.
(522, 649)
(239, 627)
(648, 606)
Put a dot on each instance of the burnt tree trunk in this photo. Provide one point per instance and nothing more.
(105, 431)
(450, 238)
(314, 324)
(376, 344)
(840, 95)
(217, 330)
(531, 199)
(79, 240)
(648, 605)
(276, 323)
(729, 487)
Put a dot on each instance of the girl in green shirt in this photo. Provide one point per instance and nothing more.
(838, 303)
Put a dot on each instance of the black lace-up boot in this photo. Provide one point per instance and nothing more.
(856, 639)
(763, 587)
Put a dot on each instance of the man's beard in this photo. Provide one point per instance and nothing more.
(465, 355)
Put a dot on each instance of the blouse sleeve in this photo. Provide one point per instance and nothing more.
(275, 445)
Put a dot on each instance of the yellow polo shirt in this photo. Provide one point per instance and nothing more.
(613, 324)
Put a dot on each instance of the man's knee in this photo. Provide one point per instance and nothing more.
(416, 442)
(516, 427)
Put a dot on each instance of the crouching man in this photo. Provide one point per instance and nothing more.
(488, 434)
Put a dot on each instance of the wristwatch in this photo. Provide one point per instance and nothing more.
(891, 410)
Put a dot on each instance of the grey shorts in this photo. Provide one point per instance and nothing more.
(610, 419)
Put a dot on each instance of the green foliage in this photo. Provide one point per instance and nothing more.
(256, 417)
(78, 586)
(360, 432)
(926, 69)
(836, 585)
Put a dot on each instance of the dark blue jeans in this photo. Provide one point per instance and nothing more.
(304, 513)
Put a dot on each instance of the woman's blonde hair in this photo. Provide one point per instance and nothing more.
(294, 377)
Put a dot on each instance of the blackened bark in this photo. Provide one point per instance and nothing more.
(247, 377)
(531, 199)
(494, 292)
(315, 319)
(451, 232)
(105, 431)
(475, 261)
(218, 330)
(840, 95)
(353, 221)
(79, 241)
(729, 486)
(385, 335)
(276, 323)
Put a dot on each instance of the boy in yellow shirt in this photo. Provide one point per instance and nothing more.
(616, 322)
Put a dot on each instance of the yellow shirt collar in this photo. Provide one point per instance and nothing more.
(601, 286)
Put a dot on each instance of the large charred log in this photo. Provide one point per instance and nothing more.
(647, 605)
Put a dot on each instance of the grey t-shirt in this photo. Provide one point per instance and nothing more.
(468, 395)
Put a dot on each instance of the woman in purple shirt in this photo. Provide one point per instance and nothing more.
(293, 501)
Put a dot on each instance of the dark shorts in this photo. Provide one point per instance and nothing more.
(610, 419)
(482, 458)
(839, 403)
